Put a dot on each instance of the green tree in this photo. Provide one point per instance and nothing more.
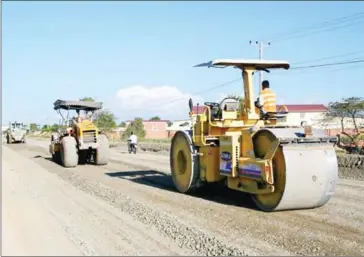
(54, 127)
(355, 109)
(105, 120)
(50, 128)
(336, 110)
(87, 99)
(170, 123)
(137, 127)
(349, 108)
(122, 124)
(45, 128)
(155, 118)
(352, 107)
(33, 127)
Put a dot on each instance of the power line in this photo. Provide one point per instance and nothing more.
(330, 57)
(273, 37)
(343, 62)
(321, 31)
(328, 64)
(333, 68)
(317, 25)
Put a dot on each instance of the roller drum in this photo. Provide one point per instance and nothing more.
(308, 175)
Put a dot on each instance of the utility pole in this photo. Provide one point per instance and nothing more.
(261, 46)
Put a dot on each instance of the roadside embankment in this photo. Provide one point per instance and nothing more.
(351, 166)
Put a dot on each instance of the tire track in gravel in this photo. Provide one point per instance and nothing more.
(186, 236)
(95, 227)
(299, 232)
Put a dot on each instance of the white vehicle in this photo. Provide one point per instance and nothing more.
(16, 133)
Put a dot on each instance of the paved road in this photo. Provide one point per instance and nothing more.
(130, 206)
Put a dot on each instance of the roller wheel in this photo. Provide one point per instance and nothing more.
(262, 141)
(69, 154)
(102, 152)
(184, 166)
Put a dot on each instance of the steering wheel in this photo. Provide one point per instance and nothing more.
(212, 104)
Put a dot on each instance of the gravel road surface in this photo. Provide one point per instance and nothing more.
(129, 207)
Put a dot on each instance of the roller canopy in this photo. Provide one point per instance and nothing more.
(241, 63)
(77, 105)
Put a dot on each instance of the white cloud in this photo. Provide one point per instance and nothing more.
(165, 101)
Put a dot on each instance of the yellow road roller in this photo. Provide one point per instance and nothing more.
(78, 141)
(249, 149)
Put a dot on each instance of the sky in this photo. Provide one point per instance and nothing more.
(138, 57)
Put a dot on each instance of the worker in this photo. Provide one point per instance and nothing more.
(267, 98)
(133, 139)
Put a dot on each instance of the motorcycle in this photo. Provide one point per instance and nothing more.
(132, 147)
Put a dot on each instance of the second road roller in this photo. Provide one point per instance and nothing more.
(240, 143)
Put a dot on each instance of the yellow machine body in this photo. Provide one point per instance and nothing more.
(85, 132)
(253, 154)
(234, 158)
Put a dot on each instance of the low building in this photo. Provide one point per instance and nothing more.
(155, 129)
(116, 133)
(313, 114)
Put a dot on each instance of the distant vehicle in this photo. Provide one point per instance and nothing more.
(16, 133)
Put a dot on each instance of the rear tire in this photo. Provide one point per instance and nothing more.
(82, 157)
(69, 154)
(8, 139)
(184, 164)
(56, 157)
(102, 152)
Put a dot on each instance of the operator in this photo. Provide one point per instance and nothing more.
(133, 138)
(267, 98)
